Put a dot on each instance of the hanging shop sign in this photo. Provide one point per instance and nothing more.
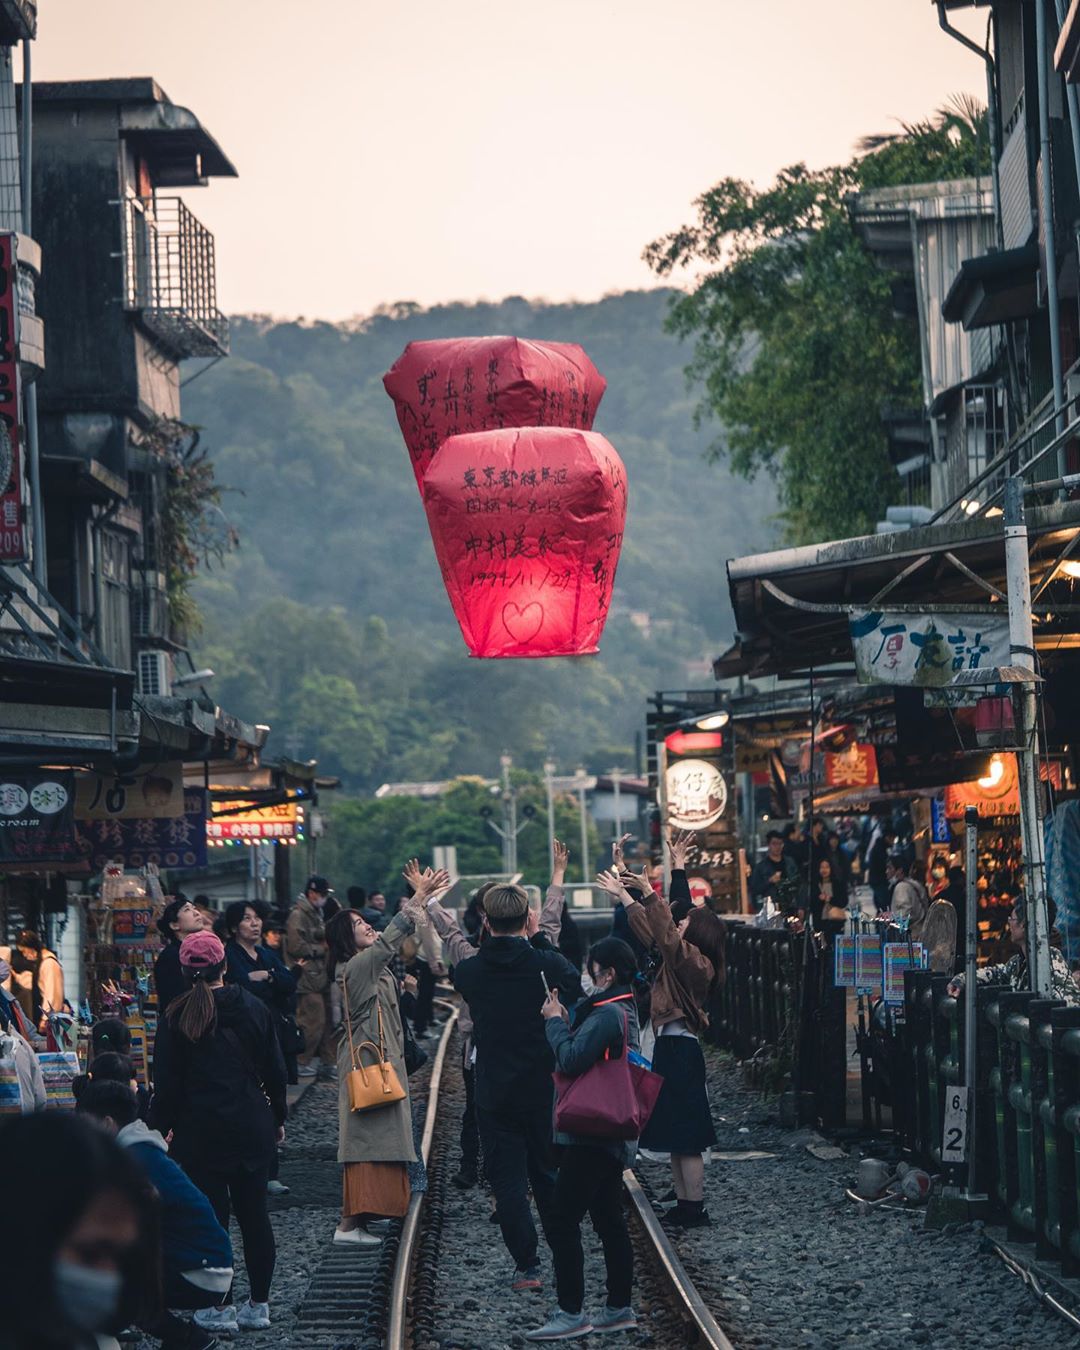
(996, 794)
(14, 540)
(696, 794)
(698, 798)
(150, 794)
(37, 818)
(855, 767)
(171, 841)
(924, 649)
(281, 824)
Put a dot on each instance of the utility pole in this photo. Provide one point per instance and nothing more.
(580, 780)
(549, 786)
(509, 813)
(1022, 655)
(616, 776)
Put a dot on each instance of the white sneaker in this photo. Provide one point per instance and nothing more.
(253, 1316)
(355, 1237)
(307, 1071)
(221, 1320)
(275, 1187)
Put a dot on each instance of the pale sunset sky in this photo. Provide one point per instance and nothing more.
(420, 150)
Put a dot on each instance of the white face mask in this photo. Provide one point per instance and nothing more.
(89, 1298)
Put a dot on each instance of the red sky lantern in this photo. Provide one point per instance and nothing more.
(451, 386)
(527, 525)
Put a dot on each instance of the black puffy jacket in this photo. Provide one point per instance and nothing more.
(223, 1097)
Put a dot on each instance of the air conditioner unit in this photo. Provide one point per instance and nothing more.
(155, 673)
(149, 604)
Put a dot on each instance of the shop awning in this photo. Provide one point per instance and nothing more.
(994, 289)
(791, 606)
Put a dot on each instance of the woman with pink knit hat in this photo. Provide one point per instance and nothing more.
(219, 1087)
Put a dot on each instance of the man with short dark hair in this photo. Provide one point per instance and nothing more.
(375, 911)
(505, 984)
(777, 869)
(196, 1253)
(305, 941)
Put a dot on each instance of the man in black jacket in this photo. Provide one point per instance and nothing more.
(504, 986)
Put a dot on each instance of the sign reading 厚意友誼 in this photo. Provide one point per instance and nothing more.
(924, 649)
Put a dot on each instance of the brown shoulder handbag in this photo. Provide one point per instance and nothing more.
(370, 1085)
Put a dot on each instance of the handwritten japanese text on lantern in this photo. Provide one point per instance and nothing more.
(528, 525)
(452, 386)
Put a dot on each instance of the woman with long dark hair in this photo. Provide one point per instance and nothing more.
(692, 967)
(219, 1087)
(375, 1146)
(591, 1168)
(179, 918)
(86, 1258)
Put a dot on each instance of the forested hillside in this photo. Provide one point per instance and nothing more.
(331, 621)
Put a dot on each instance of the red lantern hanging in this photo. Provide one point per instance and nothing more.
(527, 525)
(451, 386)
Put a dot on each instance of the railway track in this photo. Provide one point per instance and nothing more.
(418, 1309)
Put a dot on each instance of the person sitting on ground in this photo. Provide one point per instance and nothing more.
(692, 967)
(909, 899)
(374, 1146)
(180, 918)
(503, 985)
(591, 1167)
(84, 1264)
(219, 1089)
(196, 1253)
(777, 870)
(1013, 973)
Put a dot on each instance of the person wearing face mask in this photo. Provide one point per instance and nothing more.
(179, 919)
(85, 1262)
(196, 1253)
(305, 941)
(589, 1180)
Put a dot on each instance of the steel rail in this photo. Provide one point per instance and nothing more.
(399, 1289)
(685, 1292)
(684, 1289)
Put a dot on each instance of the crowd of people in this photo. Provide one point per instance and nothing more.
(150, 1179)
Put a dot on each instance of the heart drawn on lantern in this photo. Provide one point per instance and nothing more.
(523, 622)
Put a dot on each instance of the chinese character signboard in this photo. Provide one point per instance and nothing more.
(156, 793)
(996, 796)
(37, 818)
(699, 799)
(14, 544)
(855, 767)
(259, 825)
(171, 841)
(926, 650)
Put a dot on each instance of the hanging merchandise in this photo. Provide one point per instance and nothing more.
(527, 525)
(451, 386)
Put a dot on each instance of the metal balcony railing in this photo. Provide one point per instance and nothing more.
(169, 276)
(1032, 454)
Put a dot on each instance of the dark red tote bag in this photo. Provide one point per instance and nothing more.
(611, 1100)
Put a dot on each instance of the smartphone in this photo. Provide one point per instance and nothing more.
(547, 987)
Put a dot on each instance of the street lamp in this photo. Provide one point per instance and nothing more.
(549, 774)
(581, 779)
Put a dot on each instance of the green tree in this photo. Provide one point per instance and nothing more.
(797, 348)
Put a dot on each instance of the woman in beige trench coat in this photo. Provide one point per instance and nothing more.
(375, 1146)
